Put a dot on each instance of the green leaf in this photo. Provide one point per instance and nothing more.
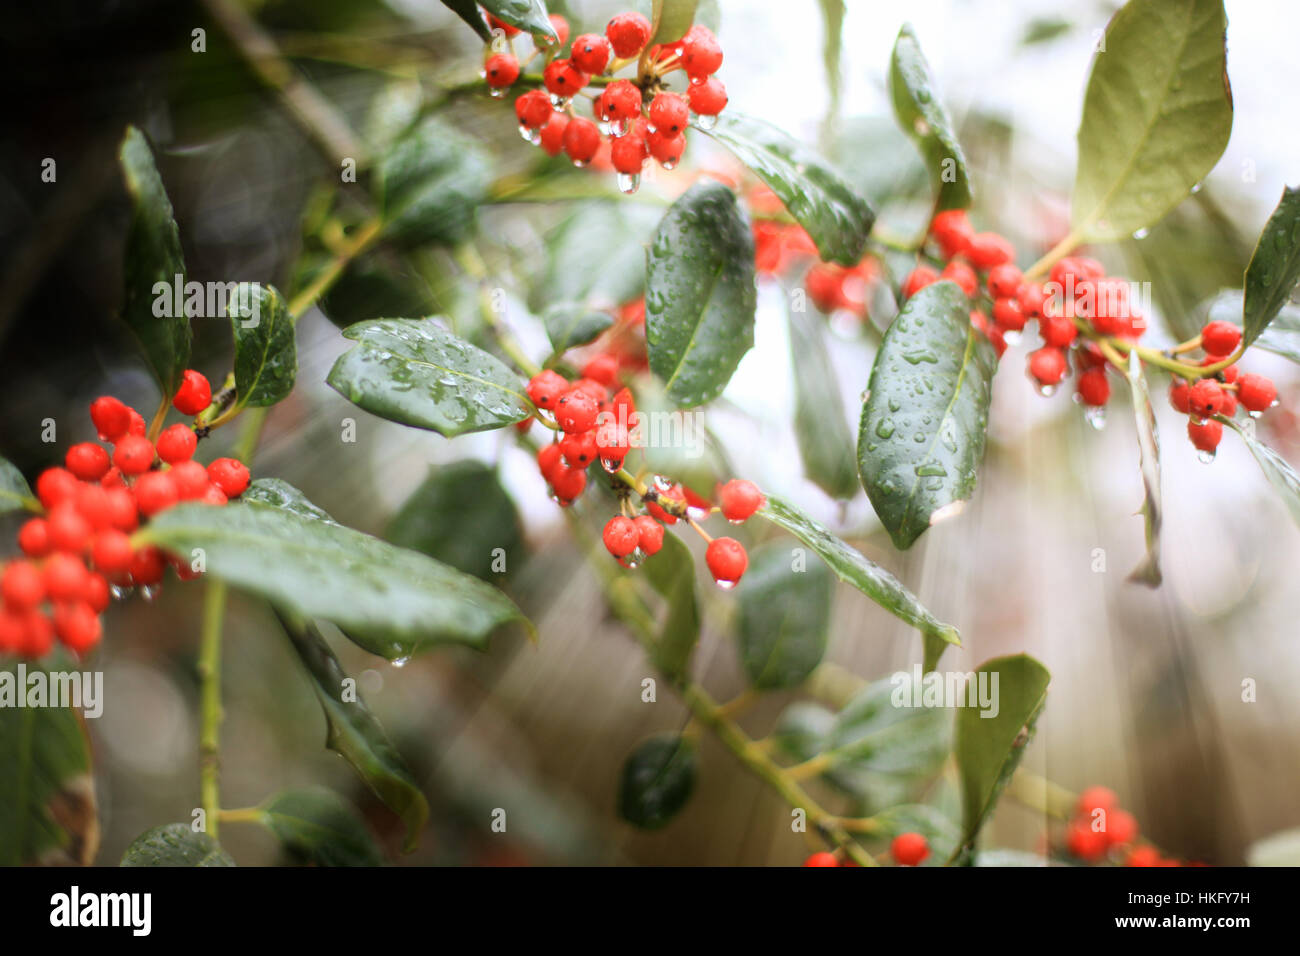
(414, 372)
(671, 572)
(1156, 116)
(1044, 30)
(528, 15)
(834, 215)
(175, 844)
(825, 442)
(596, 256)
(670, 20)
(266, 351)
(570, 324)
(460, 515)
(431, 184)
(1148, 572)
(468, 11)
(921, 437)
(988, 749)
(784, 617)
(1279, 474)
(700, 295)
(354, 732)
(392, 601)
(1274, 268)
(1281, 336)
(922, 117)
(153, 255)
(317, 826)
(47, 796)
(852, 567)
(278, 493)
(15, 493)
(658, 778)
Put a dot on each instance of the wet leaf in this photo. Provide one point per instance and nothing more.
(1148, 572)
(784, 617)
(266, 351)
(658, 778)
(175, 844)
(596, 256)
(278, 493)
(825, 442)
(528, 15)
(15, 493)
(1274, 268)
(317, 826)
(468, 11)
(570, 324)
(1279, 473)
(431, 183)
(671, 19)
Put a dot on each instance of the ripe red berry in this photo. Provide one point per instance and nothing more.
(1256, 392)
(1094, 387)
(122, 512)
(177, 443)
(213, 496)
(113, 479)
(666, 149)
(650, 534)
(1030, 298)
(96, 592)
(620, 101)
(739, 498)
(561, 28)
(701, 52)
(1007, 315)
(1180, 395)
(568, 483)
(628, 33)
(34, 538)
(549, 462)
(1056, 330)
(190, 478)
(22, 585)
(727, 560)
(628, 154)
(581, 140)
(1004, 281)
(533, 109)
(708, 97)
(230, 475)
(500, 70)
(194, 395)
(134, 455)
(147, 566)
(77, 625)
(1206, 398)
(952, 230)
(69, 530)
(669, 113)
(38, 637)
(87, 461)
(1205, 435)
(822, 859)
(909, 849)
(1220, 338)
(962, 274)
(93, 501)
(1121, 828)
(1096, 798)
(988, 249)
(602, 368)
(620, 536)
(111, 551)
(155, 492)
(137, 426)
(111, 417)
(55, 485)
(553, 134)
(1047, 366)
(1083, 842)
(563, 79)
(579, 449)
(546, 387)
(65, 577)
(918, 279)
(590, 53)
(576, 411)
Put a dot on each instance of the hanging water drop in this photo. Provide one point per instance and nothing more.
(611, 465)
(669, 166)
(497, 92)
(149, 592)
(706, 123)
(559, 103)
(580, 163)
(725, 585)
(628, 183)
(1047, 391)
(1205, 457)
(119, 592)
(400, 662)
(1095, 415)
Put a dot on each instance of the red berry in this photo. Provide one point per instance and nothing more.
(665, 148)
(962, 274)
(1143, 856)
(1056, 330)
(13, 634)
(628, 33)
(96, 592)
(822, 859)
(701, 53)
(65, 577)
(1047, 366)
(122, 512)
(568, 483)
(1206, 398)
(94, 503)
(621, 536)
(1007, 315)
(155, 492)
(546, 387)
(603, 368)
(500, 70)
(1121, 828)
(191, 479)
(553, 133)
(581, 140)
(952, 230)
(1096, 798)
(230, 475)
(68, 528)
(177, 443)
(113, 479)
(1205, 435)
(918, 279)
(739, 498)
(34, 538)
(650, 534)
(1030, 296)
(579, 449)
(561, 28)
(137, 426)
(548, 461)
(988, 249)
(1256, 392)
(55, 485)
(707, 98)
(1180, 395)
(669, 113)
(22, 585)
(87, 461)
(111, 551)
(1083, 842)
(909, 849)
(576, 411)
(147, 566)
(628, 154)
(533, 109)
(213, 496)
(726, 559)
(563, 79)
(134, 455)
(194, 395)
(1067, 272)
(1094, 388)
(77, 625)
(590, 53)
(1004, 281)
(620, 101)
(1220, 338)
(498, 24)
(111, 417)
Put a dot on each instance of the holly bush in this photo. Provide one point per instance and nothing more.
(588, 295)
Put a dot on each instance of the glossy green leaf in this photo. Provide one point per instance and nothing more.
(596, 256)
(852, 567)
(392, 601)
(671, 572)
(48, 814)
(528, 15)
(414, 372)
(175, 844)
(354, 733)
(380, 285)
(815, 193)
(1148, 572)
(317, 826)
(468, 10)
(460, 515)
(266, 350)
(988, 749)
(1156, 115)
(15, 493)
(1274, 268)
(278, 493)
(670, 19)
(153, 256)
(1279, 473)
(921, 436)
(658, 778)
(700, 295)
(570, 324)
(922, 117)
(784, 616)
(431, 183)
(825, 442)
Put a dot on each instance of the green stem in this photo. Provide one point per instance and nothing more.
(1053, 255)
(360, 241)
(214, 610)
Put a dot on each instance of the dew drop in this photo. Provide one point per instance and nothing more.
(725, 585)
(119, 593)
(611, 465)
(1205, 457)
(633, 560)
(1047, 391)
(706, 123)
(559, 103)
(1095, 415)
(400, 662)
(580, 163)
(885, 428)
(149, 592)
(629, 183)
(669, 166)
(1141, 234)
(497, 92)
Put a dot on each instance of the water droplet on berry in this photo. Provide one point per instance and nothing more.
(149, 592)
(725, 585)
(119, 592)
(611, 465)
(1047, 391)
(669, 166)
(633, 561)
(1011, 337)
(619, 127)
(1095, 415)
(580, 163)
(697, 513)
(559, 103)
(629, 183)
(1141, 234)
(706, 123)
(1205, 457)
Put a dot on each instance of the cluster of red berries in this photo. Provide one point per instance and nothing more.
(1078, 297)
(79, 553)
(906, 849)
(638, 118)
(1100, 830)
